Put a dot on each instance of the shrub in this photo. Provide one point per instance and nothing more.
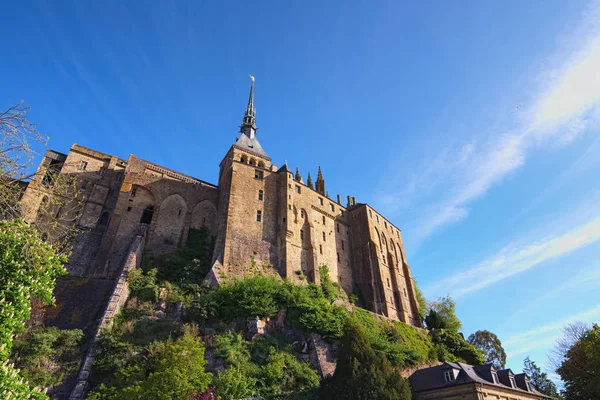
(457, 348)
(362, 373)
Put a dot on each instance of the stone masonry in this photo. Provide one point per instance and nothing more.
(260, 215)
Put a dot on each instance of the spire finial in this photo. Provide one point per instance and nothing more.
(320, 184)
(249, 122)
(309, 181)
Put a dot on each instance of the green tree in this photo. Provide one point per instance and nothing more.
(170, 370)
(491, 346)
(28, 267)
(538, 379)
(421, 302)
(442, 315)
(362, 373)
(580, 370)
(452, 346)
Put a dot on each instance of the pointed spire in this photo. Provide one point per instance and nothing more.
(298, 177)
(249, 122)
(309, 182)
(320, 184)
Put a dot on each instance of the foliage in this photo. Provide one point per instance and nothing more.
(442, 315)
(580, 370)
(453, 347)
(265, 367)
(264, 296)
(14, 387)
(421, 302)
(403, 345)
(538, 379)
(571, 334)
(330, 289)
(45, 356)
(168, 370)
(362, 373)
(491, 346)
(28, 267)
(188, 264)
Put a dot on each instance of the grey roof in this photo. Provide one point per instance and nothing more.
(251, 145)
(433, 377)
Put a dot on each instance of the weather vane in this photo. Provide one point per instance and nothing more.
(252, 77)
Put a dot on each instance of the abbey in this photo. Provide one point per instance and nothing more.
(259, 215)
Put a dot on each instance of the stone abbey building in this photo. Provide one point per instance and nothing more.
(258, 213)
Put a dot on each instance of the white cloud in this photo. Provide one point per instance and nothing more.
(515, 259)
(564, 106)
(544, 336)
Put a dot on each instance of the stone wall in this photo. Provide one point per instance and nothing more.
(116, 301)
(475, 391)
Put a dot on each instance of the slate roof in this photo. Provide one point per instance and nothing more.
(433, 378)
(251, 145)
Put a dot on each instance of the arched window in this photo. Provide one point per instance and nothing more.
(147, 215)
(261, 164)
(244, 159)
(252, 161)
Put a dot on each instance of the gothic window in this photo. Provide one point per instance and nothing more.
(258, 216)
(83, 165)
(252, 161)
(261, 164)
(260, 195)
(244, 159)
(258, 174)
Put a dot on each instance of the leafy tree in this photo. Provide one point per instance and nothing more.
(170, 370)
(442, 315)
(490, 345)
(580, 370)
(571, 334)
(362, 373)
(538, 379)
(28, 267)
(452, 346)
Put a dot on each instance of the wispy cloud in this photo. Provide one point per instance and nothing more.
(544, 336)
(564, 106)
(515, 259)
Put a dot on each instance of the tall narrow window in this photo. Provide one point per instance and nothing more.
(258, 216)
(133, 192)
(323, 220)
(83, 165)
(371, 213)
(297, 189)
(388, 282)
(338, 228)
(320, 200)
(260, 195)
(331, 207)
(301, 234)
(405, 294)
(377, 217)
(323, 236)
(342, 245)
(320, 249)
(302, 215)
(385, 223)
(338, 257)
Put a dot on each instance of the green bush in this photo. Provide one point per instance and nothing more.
(363, 373)
(452, 346)
(168, 370)
(46, 356)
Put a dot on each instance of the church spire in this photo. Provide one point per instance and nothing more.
(309, 182)
(249, 122)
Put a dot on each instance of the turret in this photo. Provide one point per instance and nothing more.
(320, 184)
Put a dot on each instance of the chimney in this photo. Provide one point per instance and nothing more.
(339, 199)
(349, 202)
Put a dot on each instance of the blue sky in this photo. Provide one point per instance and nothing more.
(472, 125)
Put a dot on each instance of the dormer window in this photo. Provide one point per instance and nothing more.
(495, 378)
(513, 383)
(448, 375)
(529, 389)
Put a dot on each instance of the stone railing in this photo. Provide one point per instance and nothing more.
(116, 301)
